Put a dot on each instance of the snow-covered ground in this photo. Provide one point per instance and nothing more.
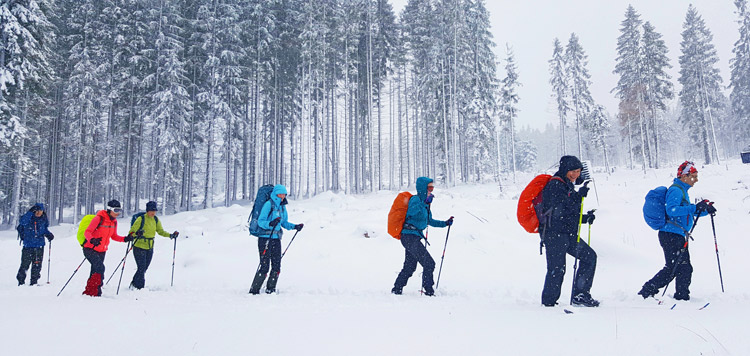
(334, 291)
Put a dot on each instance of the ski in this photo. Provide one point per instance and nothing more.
(704, 307)
(568, 311)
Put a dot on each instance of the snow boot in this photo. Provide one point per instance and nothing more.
(682, 296)
(428, 291)
(93, 285)
(257, 282)
(273, 278)
(584, 300)
(397, 291)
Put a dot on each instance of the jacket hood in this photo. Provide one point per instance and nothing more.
(682, 184)
(422, 183)
(278, 189)
(37, 207)
(567, 164)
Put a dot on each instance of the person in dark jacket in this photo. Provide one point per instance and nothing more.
(32, 228)
(680, 217)
(273, 217)
(562, 206)
(418, 217)
(145, 228)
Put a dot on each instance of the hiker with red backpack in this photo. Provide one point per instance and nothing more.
(101, 229)
(272, 218)
(673, 236)
(562, 210)
(418, 217)
(145, 227)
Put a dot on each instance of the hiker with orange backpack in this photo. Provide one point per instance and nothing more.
(418, 217)
(101, 229)
(562, 207)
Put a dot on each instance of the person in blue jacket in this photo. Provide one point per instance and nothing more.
(32, 229)
(418, 216)
(272, 217)
(680, 219)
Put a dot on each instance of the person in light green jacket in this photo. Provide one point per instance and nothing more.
(144, 228)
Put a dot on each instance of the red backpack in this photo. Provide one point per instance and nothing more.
(530, 202)
(397, 215)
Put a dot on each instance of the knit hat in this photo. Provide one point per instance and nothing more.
(151, 206)
(686, 168)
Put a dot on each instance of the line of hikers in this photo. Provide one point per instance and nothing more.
(550, 205)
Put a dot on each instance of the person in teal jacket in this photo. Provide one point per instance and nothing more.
(418, 217)
(680, 219)
(143, 245)
(273, 217)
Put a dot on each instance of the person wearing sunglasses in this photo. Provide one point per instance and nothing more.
(418, 217)
(101, 229)
(680, 219)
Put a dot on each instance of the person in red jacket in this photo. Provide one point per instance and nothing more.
(101, 229)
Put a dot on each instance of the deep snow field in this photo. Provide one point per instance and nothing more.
(334, 290)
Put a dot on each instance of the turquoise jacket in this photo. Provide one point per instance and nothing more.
(418, 215)
(679, 209)
(272, 209)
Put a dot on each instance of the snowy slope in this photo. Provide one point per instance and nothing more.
(334, 288)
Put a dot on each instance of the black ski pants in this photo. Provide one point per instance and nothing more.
(415, 253)
(675, 254)
(30, 256)
(96, 259)
(142, 260)
(557, 247)
(269, 251)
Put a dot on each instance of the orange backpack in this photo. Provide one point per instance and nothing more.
(530, 202)
(397, 215)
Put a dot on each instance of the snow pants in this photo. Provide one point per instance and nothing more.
(557, 247)
(142, 260)
(415, 253)
(677, 265)
(30, 256)
(269, 251)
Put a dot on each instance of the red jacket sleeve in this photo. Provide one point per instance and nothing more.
(115, 236)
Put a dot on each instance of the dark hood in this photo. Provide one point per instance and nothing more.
(567, 164)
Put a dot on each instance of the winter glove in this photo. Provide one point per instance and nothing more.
(299, 227)
(588, 218)
(96, 241)
(275, 222)
(174, 235)
(584, 191)
(702, 206)
(49, 236)
(429, 198)
(711, 210)
(449, 222)
(129, 238)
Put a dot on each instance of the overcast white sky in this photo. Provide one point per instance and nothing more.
(530, 27)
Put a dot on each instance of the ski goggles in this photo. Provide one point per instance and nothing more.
(117, 211)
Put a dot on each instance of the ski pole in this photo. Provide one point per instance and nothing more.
(678, 260)
(716, 245)
(174, 253)
(71, 276)
(578, 249)
(443, 257)
(118, 265)
(122, 271)
(290, 243)
(49, 260)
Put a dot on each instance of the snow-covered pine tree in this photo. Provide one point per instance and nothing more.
(630, 86)
(658, 85)
(560, 89)
(740, 77)
(580, 81)
(701, 96)
(509, 104)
